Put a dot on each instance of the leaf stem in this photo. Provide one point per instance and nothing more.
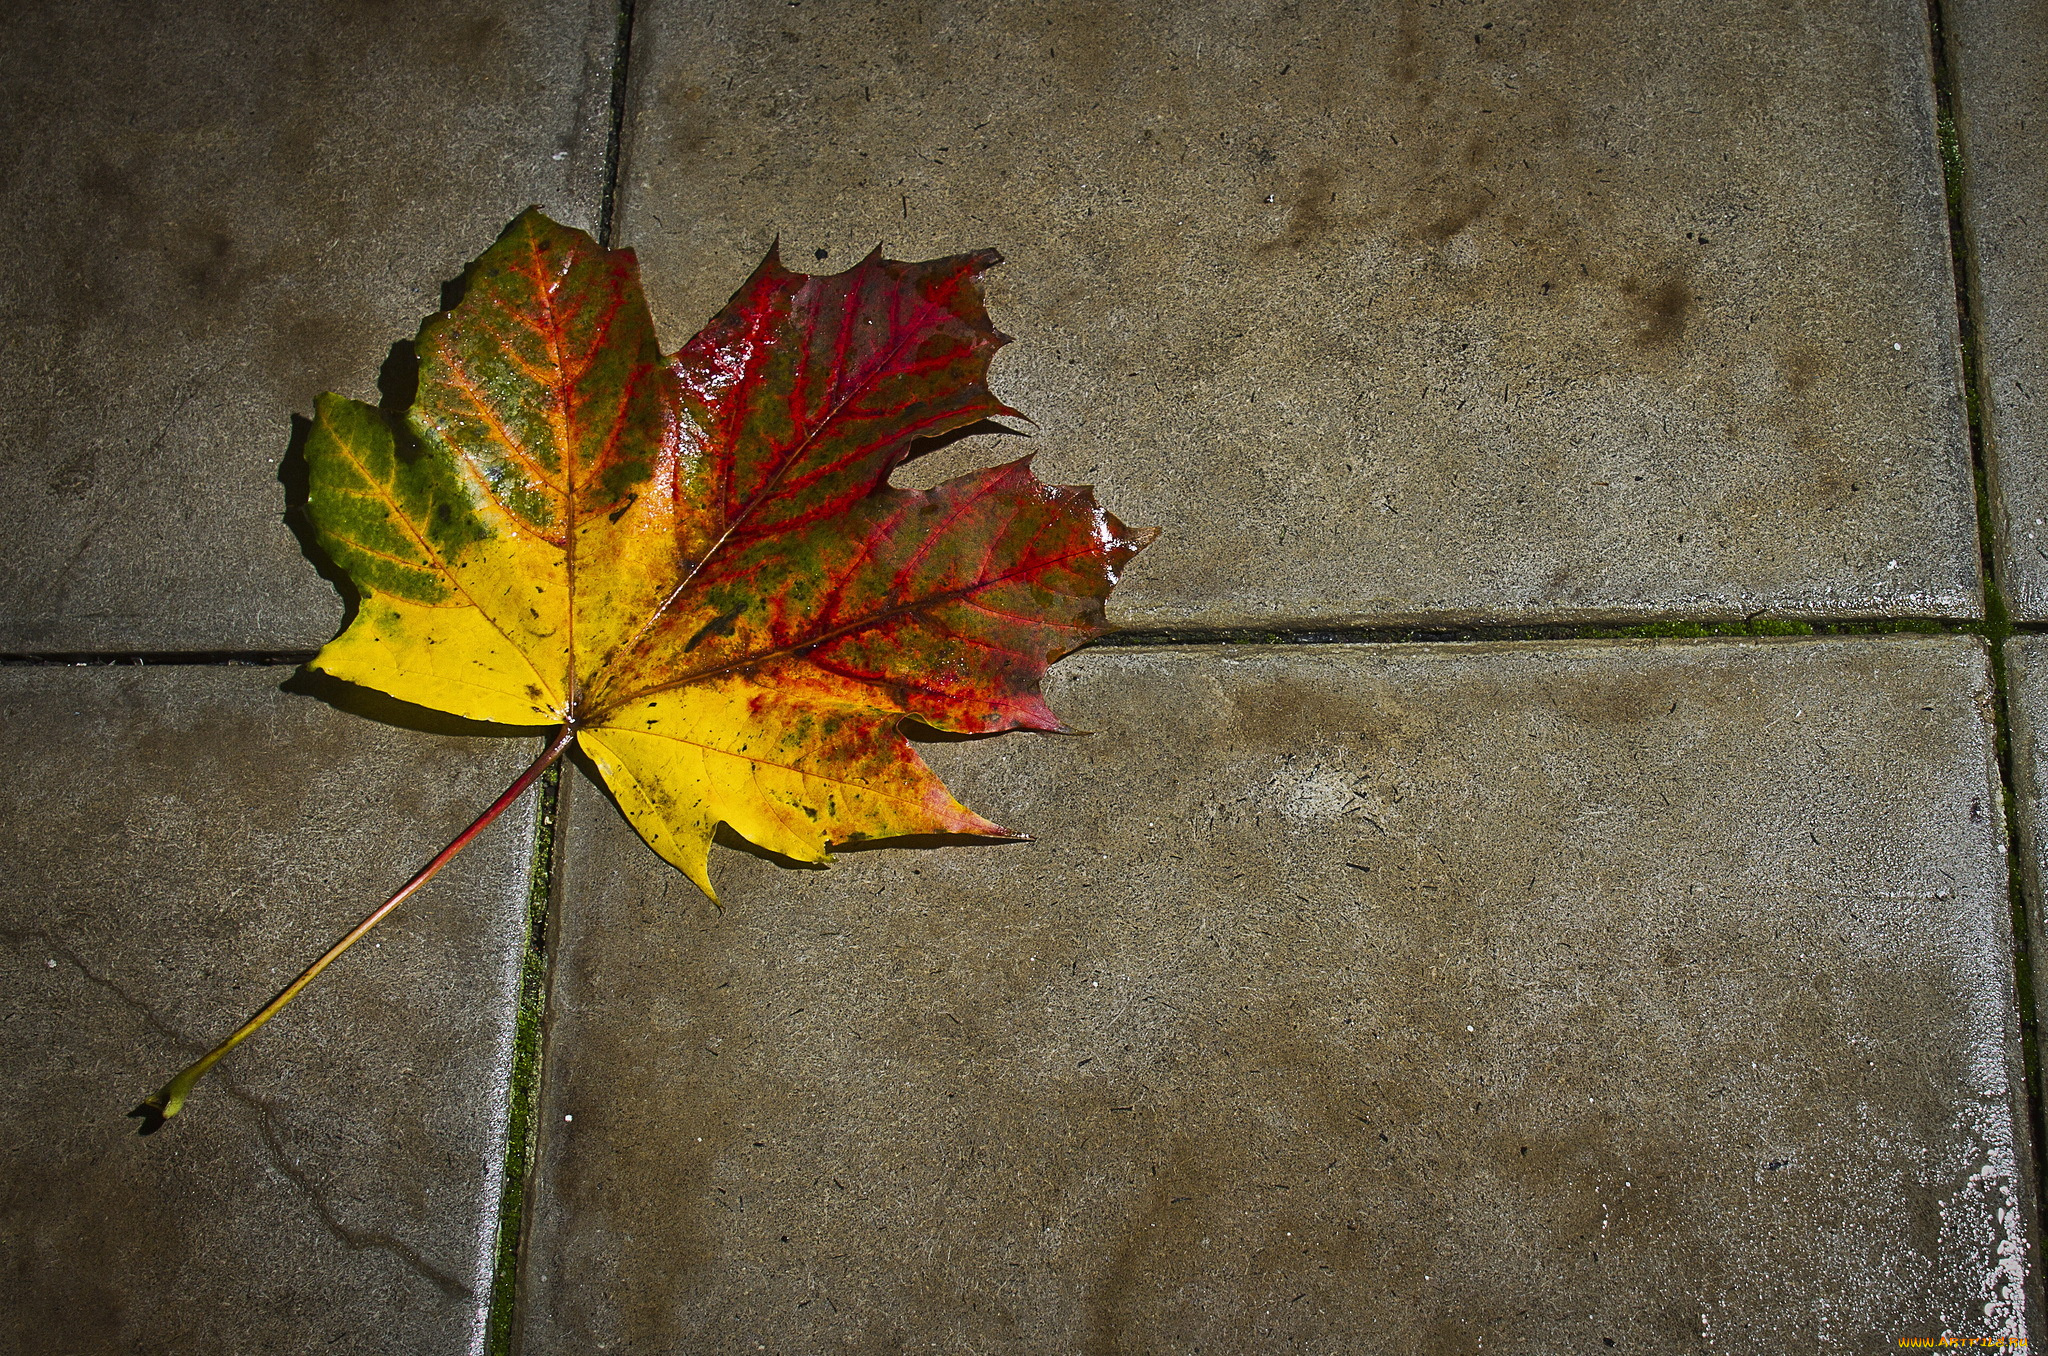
(170, 1098)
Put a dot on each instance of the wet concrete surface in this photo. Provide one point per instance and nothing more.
(1404, 313)
(1577, 997)
(179, 842)
(1999, 55)
(219, 211)
(1630, 996)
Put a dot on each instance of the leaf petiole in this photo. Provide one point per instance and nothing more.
(170, 1098)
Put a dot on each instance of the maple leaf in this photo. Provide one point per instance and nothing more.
(695, 566)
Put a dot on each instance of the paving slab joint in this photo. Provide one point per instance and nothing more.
(1963, 271)
(523, 1085)
(1677, 628)
(2019, 890)
(622, 52)
(1997, 626)
(1669, 628)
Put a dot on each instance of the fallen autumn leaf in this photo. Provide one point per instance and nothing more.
(695, 567)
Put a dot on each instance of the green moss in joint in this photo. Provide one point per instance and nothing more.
(524, 1090)
(1691, 630)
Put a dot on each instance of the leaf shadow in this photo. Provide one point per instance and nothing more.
(980, 428)
(294, 472)
(917, 732)
(905, 842)
(398, 380)
(398, 383)
(946, 467)
(921, 841)
(371, 704)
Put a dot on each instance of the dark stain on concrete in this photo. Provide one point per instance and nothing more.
(1285, 713)
(470, 51)
(1802, 367)
(690, 122)
(1094, 43)
(1923, 1215)
(1407, 48)
(113, 193)
(205, 258)
(1459, 214)
(1658, 311)
(1310, 213)
(1643, 697)
(1273, 1110)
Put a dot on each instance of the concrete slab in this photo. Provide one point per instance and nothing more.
(1633, 997)
(1998, 52)
(1388, 314)
(179, 842)
(220, 210)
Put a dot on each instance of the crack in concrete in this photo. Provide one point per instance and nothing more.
(21, 936)
(356, 1240)
(266, 1118)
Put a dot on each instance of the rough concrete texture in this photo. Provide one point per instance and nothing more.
(179, 843)
(1397, 313)
(1998, 53)
(219, 211)
(1352, 999)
